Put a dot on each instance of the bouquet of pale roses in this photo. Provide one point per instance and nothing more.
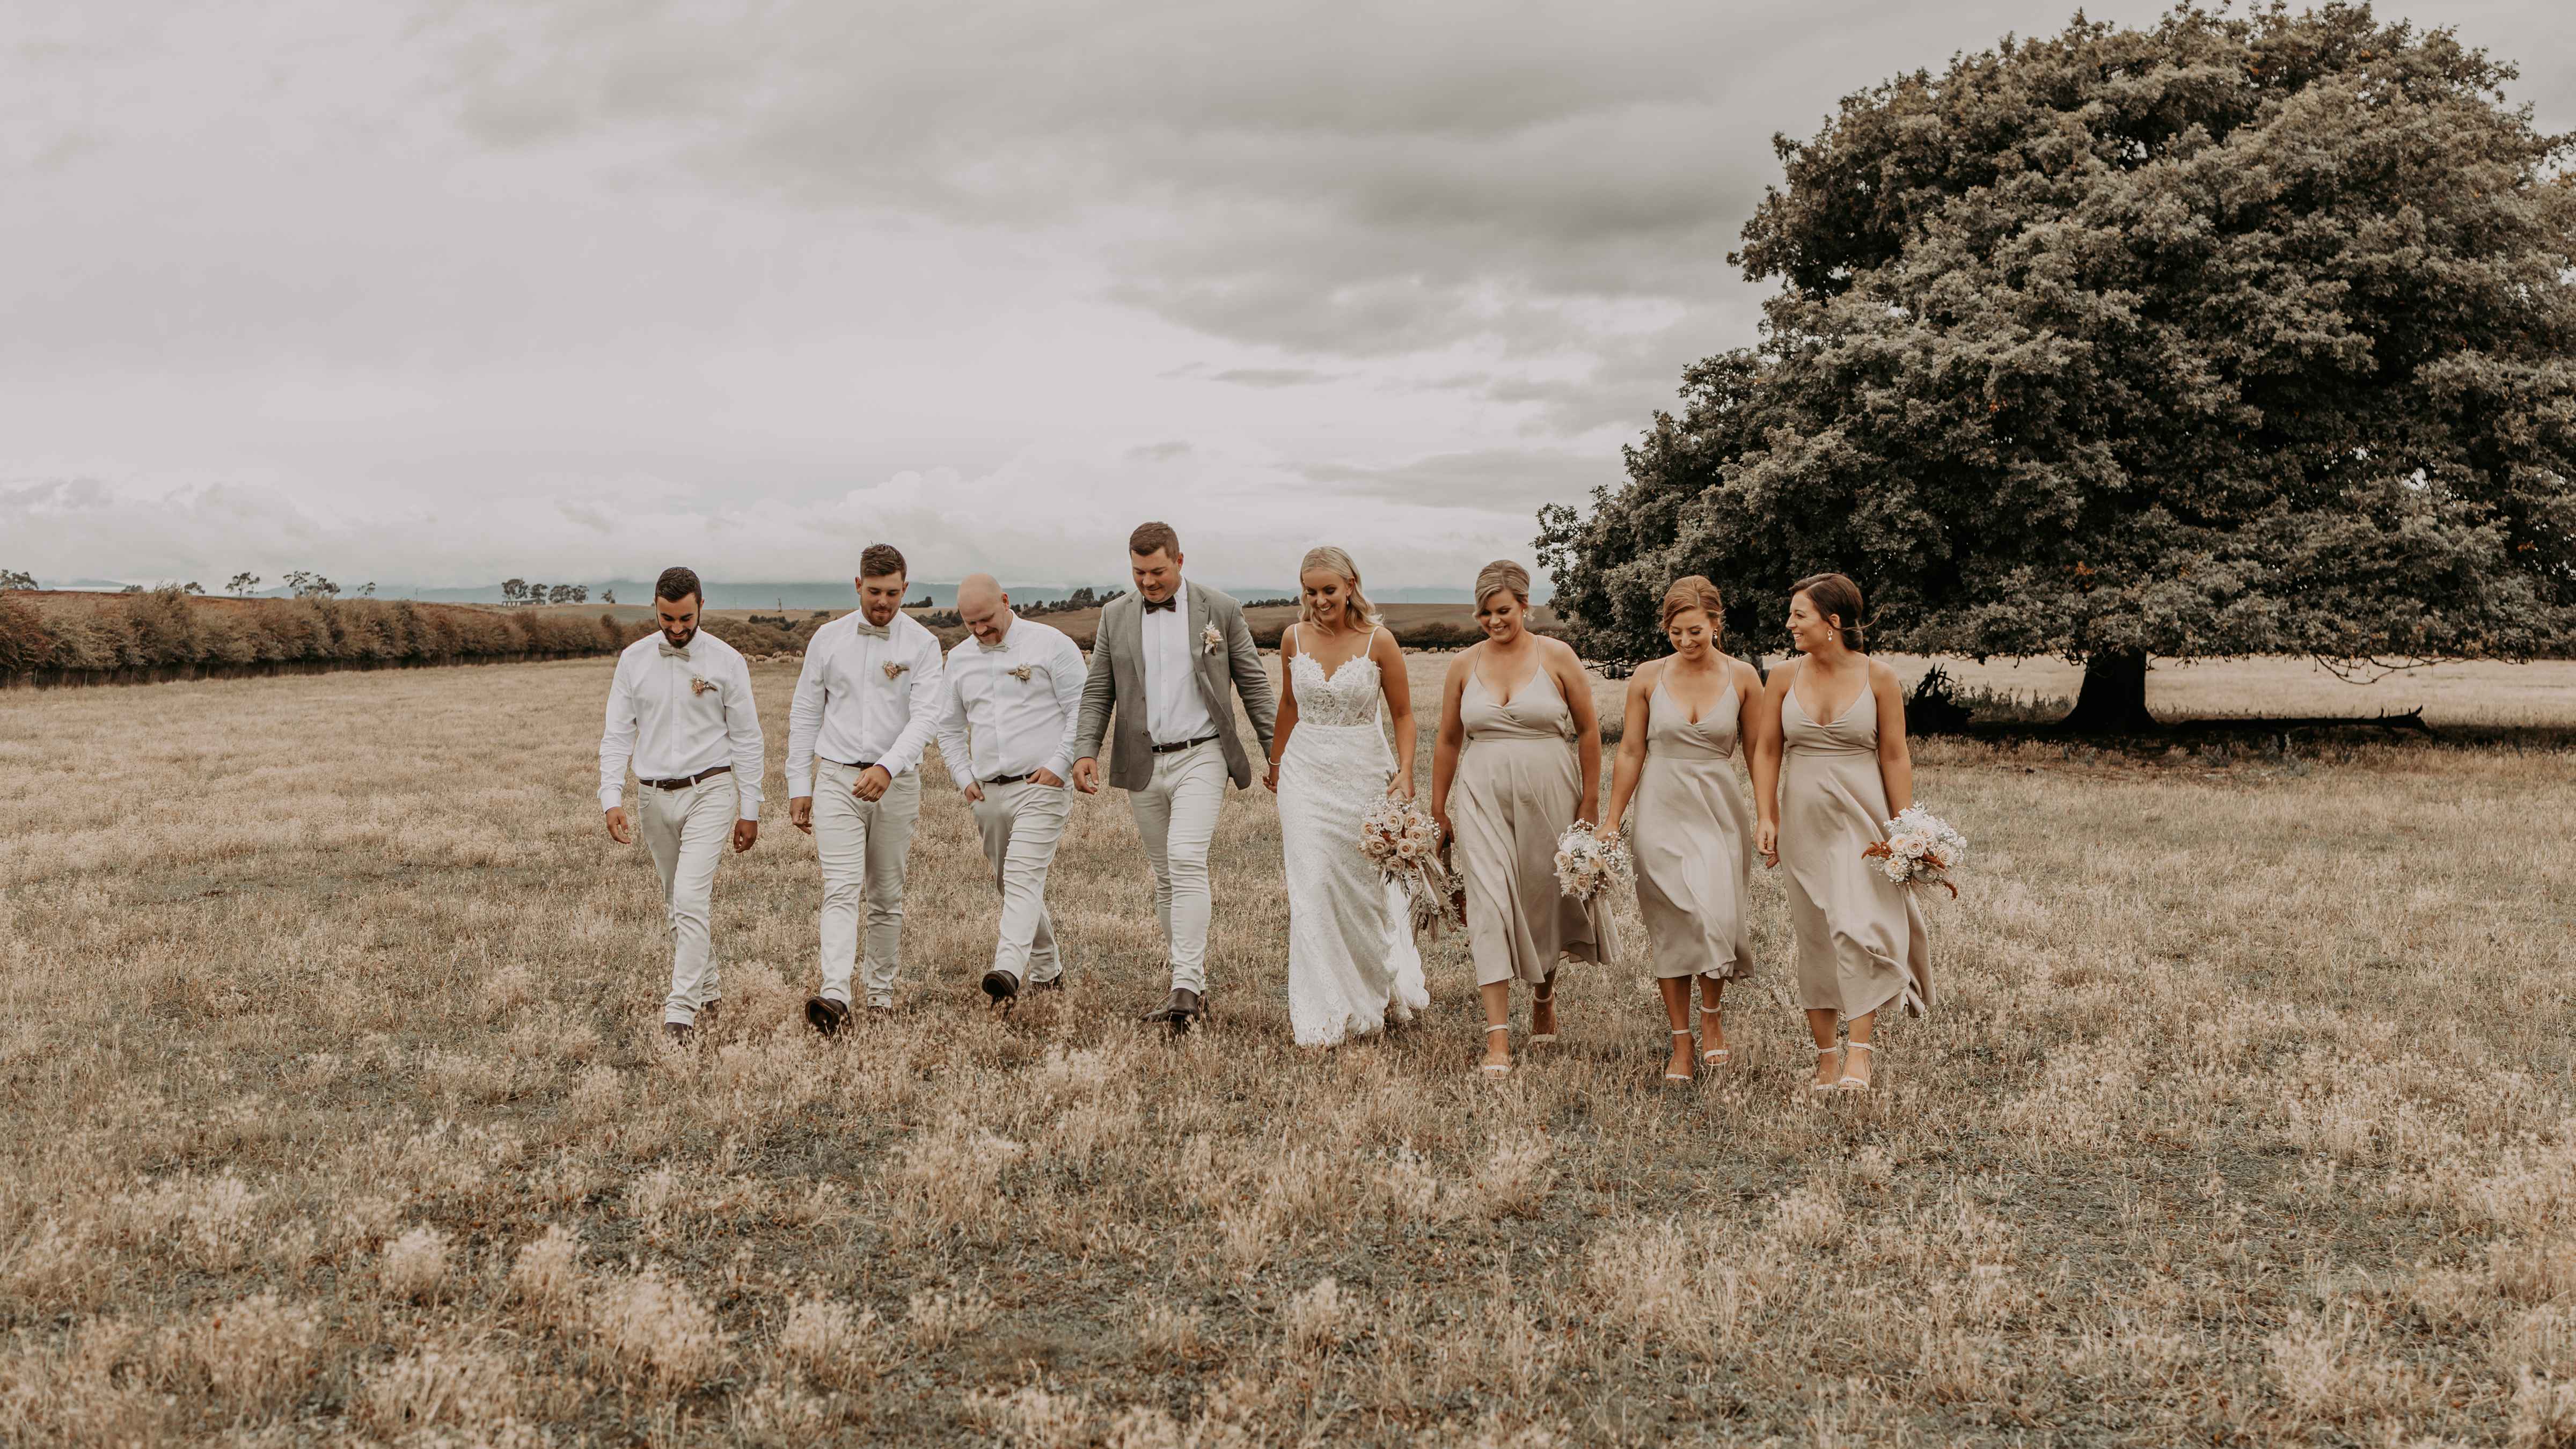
(1586, 863)
(1920, 851)
(1401, 840)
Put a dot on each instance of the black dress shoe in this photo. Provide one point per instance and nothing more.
(826, 1015)
(1001, 986)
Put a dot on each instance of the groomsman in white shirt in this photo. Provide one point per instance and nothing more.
(1014, 696)
(866, 706)
(680, 709)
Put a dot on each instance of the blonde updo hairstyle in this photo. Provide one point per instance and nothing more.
(1359, 611)
(1693, 591)
(1501, 575)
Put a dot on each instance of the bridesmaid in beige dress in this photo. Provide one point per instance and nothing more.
(1517, 760)
(1830, 768)
(1692, 835)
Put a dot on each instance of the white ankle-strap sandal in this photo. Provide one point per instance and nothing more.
(1495, 1068)
(1850, 1083)
(1677, 1076)
(1821, 1087)
(1714, 1056)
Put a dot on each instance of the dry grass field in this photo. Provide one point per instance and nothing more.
(336, 1113)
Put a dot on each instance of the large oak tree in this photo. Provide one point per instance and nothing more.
(2242, 334)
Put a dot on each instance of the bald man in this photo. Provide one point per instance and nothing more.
(1014, 699)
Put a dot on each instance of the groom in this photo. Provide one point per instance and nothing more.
(1162, 663)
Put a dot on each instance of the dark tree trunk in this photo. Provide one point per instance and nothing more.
(2114, 698)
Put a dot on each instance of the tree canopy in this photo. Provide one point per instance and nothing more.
(2240, 334)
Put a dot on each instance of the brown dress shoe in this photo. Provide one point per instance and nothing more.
(1001, 987)
(680, 1032)
(707, 1015)
(1181, 1008)
(826, 1015)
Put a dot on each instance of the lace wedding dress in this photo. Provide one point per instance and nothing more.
(1351, 958)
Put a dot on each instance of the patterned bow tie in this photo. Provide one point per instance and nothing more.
(873, 631)
(670, 653)
(1173, 602)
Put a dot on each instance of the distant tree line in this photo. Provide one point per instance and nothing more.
(164, 628)
(520, 591)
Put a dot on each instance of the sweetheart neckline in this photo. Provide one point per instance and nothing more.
(1336, 671)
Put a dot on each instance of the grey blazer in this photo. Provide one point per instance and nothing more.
(1118, 675)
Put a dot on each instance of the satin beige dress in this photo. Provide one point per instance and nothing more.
(1861, 940)
(1693, 840)
(1515, 793)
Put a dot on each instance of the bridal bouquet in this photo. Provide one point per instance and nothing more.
(1920, 851)
(1399, 838)
(1585, 863)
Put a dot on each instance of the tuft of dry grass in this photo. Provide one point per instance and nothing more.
(328, 1044)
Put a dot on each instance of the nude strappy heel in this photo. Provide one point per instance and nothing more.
(1823, 1087)
(1542, 1038)
(1676, 1076)
(1851, 1083)
(1496, 1068)
(1714, 1056)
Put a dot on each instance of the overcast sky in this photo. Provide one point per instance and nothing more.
(448, 292)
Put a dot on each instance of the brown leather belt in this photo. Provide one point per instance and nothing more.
(691, 780)
(1183, 745)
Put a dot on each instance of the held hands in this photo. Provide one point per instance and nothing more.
(1086, 776)
(800, 813)
(746, 833)
(1766, 839)
(872, 784)
(619, 828)
(1270, 778)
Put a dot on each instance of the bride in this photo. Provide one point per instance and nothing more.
(1351, 958)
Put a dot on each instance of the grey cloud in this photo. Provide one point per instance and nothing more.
(1497, 480)
(1271, 376)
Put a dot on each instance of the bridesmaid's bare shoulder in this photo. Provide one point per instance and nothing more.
(1783, 674)
(1463, 663)
(1882, 678)
(1748, 680)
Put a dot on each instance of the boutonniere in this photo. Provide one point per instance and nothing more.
(1022, 673)
(1215, 640)
(700, 686)
(894, 667)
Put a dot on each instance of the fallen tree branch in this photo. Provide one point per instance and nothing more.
(2412, 719)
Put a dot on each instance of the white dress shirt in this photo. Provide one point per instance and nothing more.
(1175, 712)
(998, 724)
(671, 729)
(849, 709)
